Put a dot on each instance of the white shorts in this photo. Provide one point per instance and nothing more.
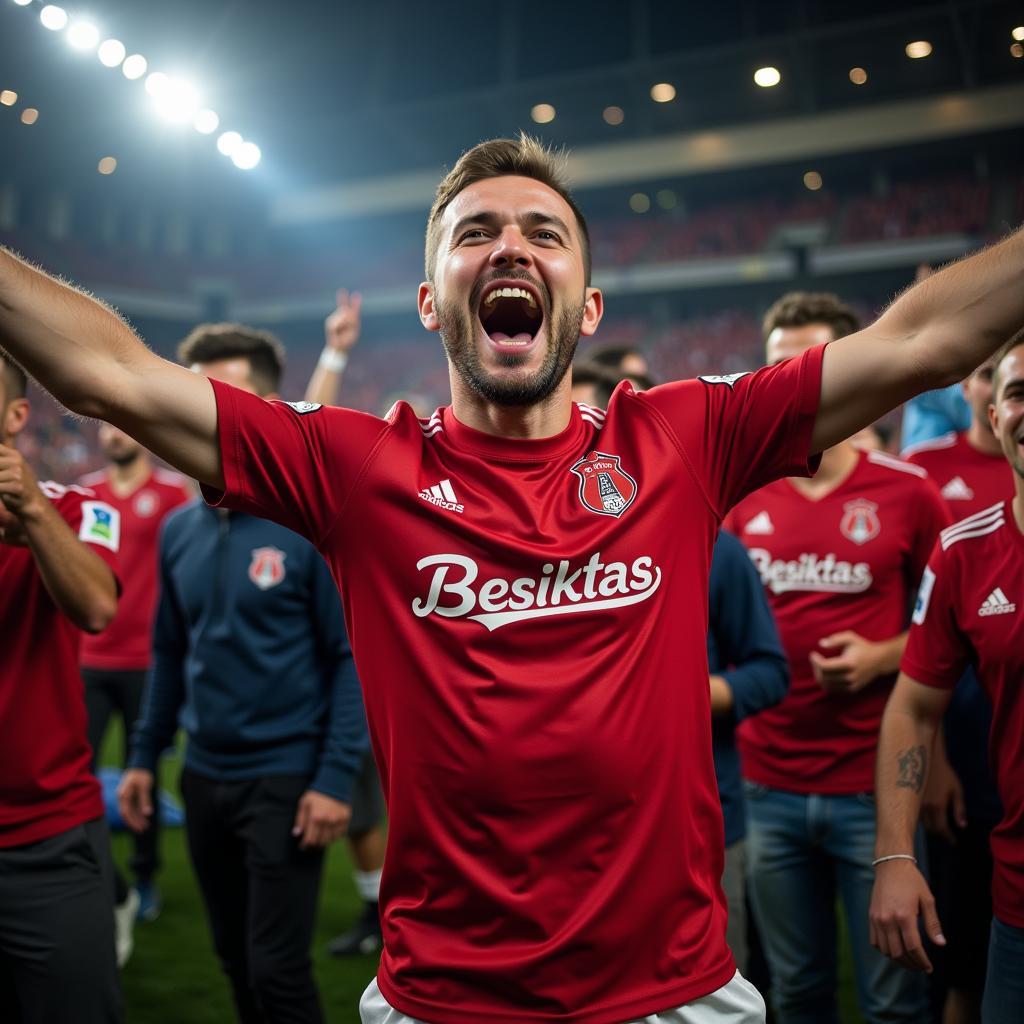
(736, 1002)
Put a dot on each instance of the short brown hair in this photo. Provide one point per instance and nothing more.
(1004, 350)
(798, 309)
(208, 343)
(14, 376)
(525, 157)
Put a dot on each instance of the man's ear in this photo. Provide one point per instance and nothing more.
(593, 310)
(15, 417)
(428, 311)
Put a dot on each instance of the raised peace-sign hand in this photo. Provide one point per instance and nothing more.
(341, 328)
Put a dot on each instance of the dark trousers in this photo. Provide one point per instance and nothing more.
(260, 892)
(57, 961)
(109, 692)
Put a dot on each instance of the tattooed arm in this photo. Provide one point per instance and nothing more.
(901, 895)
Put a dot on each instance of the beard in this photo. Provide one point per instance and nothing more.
(458, 330)
(123, 457)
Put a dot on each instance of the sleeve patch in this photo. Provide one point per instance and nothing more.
(101, 525)
(304, 407)
(724, 378)
(924, 596)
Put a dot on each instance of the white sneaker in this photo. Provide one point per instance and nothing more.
(124, 927)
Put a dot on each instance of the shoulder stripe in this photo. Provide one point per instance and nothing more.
(169, 476)
(977, 531)
(591, 420)
(891, 462)
(981, 518)
(932, 444)
(593, 410)
(91, 479)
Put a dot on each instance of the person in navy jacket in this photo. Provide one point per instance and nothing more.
(250, 653)
(749, 673)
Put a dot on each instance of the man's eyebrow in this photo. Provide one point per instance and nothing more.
(489, 218)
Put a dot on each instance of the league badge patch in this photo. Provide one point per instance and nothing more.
(860, 521)
(724, 378)
(303, 407)
(605, 487)
(101, 525)
(266, 569)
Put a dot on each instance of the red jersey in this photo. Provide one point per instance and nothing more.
(970, 610)
(124, 644)
(850, 560)
(46, 782)
(529, 623)
(968, 479)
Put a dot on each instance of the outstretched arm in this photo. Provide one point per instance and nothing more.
(933, 335)
(92, 362)
(901, 894)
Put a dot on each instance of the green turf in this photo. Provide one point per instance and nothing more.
(173, 976)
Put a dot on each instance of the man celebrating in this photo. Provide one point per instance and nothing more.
(518, 610)
(970, 610)
(57, 556)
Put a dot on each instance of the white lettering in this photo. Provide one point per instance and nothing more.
(438, 585)
(809, 572)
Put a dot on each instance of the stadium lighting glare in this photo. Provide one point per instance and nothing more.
(767, 77)
(247, 156)
(111, 53)
(206, 122)
(29, 115)
(229, 142)
(157, 84)
(918, 49)
(613, 115)
(666, 199)
(176, 100)
(107, 165)
(812, 181)
(1018, 33)
(8, 97)
(858, 76)
(83, 35)
(543, 113)
(54, 18)
(23, 3)
(134, 66)
(639, 202)
(663, 92)
(1017, 50)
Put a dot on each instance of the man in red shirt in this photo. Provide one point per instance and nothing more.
(114, 662)
(840, 556)
(970, 610)
(57, 556)
(960, 803)
(525, 585)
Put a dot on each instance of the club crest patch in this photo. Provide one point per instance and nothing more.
(266, 569)
(605, 487)
(144, 504)
(304, 407)
(101, 525)
(724, 378)
(860, 521)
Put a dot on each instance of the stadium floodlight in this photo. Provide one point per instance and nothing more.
(1018, 33)
(111, 53)
(858, 76)
(176, 99)
(918, 49)
(107, 165)
(543, 113)
(8, 97)
(663, 92)
(29, 115)
(83, 35)
(54, 18)
(247, 156)
(23, 3)
(134, 66)
(206, 122)
(229, 142)
(767, 77)
(614, 115)
(157, 84)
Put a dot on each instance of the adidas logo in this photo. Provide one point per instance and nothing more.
(761, 523)
(997, 604)
(443, 496)
(957, 490)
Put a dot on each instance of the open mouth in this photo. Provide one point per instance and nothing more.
(511, 316)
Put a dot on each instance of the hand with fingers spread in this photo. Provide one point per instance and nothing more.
(855, 663)
(900, 897)
(135, 798)
(320, 820)
(943, 804)
(341, 328)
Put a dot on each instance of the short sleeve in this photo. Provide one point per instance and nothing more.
(292, 462)
(937, 651)
(739, 432)
(95, 523)
(931, 519)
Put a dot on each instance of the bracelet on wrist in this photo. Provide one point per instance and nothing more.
(332, 359)
(894, 856)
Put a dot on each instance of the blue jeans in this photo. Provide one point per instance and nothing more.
(1004, 983)
(800, 850)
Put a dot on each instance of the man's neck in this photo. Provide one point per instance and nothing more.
(527, 422)
(837, 463)
(981, 439)
(129, 476)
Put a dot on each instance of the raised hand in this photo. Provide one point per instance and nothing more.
(341, 328)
